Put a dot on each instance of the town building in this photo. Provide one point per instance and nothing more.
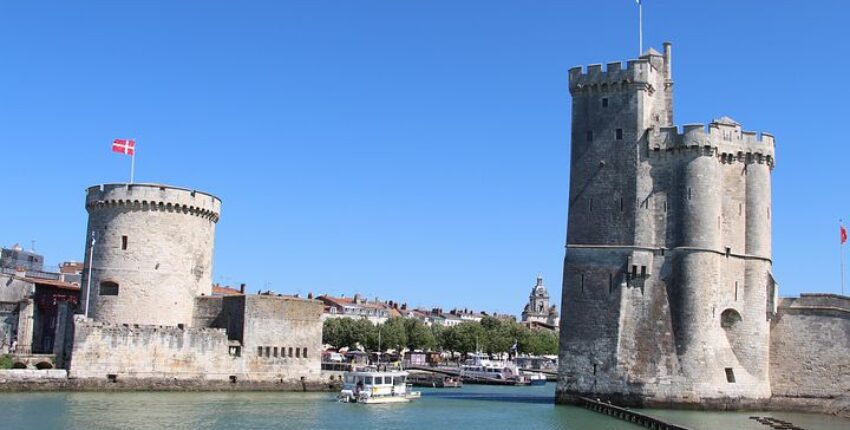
(668, 293)
(15, 258)
(538, 312)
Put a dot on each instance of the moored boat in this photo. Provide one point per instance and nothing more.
(479, 367)
(373, 387)
(537, 379)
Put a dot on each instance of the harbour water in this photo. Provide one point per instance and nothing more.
(471, 407)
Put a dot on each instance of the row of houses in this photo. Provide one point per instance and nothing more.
(378, 312)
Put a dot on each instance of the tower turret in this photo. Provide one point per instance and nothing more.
(152, 255)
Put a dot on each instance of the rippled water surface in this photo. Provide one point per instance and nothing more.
(472, 407)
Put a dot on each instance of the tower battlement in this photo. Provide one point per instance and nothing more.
(722, 137)
(636, 71)
(154, 197)
(647, 69)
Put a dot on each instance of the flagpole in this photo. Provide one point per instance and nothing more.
(88, 280)
(132, 164)
(841, 253)
(640, 28)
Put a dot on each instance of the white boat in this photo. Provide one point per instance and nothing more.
(480, 367)
(537, 379)
(373, 387)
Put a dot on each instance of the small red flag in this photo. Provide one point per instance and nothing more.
(124, 146)
(843, 234)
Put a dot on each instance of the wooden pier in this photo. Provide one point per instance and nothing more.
(627, 415)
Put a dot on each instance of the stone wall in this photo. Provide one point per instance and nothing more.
(282, 335)
(131, 351)
(252, 338)
(810, 347)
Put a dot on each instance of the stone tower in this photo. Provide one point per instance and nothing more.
(538, 309)
(153, 252)
(667, 291)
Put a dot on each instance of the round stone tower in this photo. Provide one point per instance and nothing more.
(153, 251)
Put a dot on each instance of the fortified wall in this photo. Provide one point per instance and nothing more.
(809, 342)
(150, 313)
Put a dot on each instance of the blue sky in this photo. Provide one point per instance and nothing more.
(413, 150)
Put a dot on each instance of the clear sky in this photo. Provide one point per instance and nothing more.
(413, 150)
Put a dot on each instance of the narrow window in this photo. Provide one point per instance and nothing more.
(268, 351)
(643, 271)
(690, 194)
(274, 352)
(621, 204)
(582, 282)
(290, 352)
(594, 369)
(736, 291)
(619, 134)
(665, 206)
(662, 252)
(297, 352)
(610, 282)
(605, 102)
(124, 243)
(740, 209)
(108, 288)
(260, 351)
(590, 205)
(730, 375)
(304, 353)
(634, 270)
(590, 136)
(728, 252)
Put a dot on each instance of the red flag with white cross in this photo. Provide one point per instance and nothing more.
(124, 146)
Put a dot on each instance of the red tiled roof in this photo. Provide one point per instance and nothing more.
(225, 291)
(54, 283)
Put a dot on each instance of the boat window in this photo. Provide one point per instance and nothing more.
(368, 380)
(379, 380)
(349, 379)
(400, 380)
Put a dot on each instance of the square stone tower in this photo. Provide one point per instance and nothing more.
(667, 291)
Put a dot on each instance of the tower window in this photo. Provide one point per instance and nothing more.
(619, 134)
(108, 288)
(124, 243)
(690, 193)
(736, 291)
(590, 205)
(605, 102)
(730, 375)
(643, 271)
(582, 283)
(590, 136)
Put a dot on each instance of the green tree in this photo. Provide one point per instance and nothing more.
(392, 336)
(332, 333)
(360, 333)
(470, 336)
(419, 336)
(498, 335)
